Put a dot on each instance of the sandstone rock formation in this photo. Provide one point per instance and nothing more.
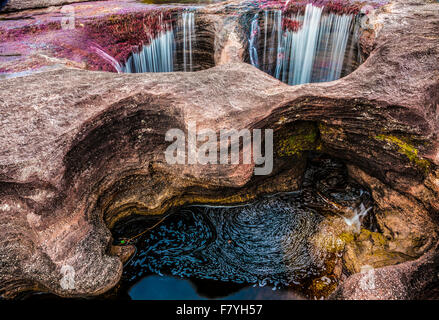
(15, 5)
(81, 149)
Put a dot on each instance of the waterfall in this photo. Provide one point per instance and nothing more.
(278, 25)
(315, 52)
(188, 22)
(160, 54)
(353, 45)
(254, 33)
(337, 29)
(264, 61)
(357, 217)
(303, 47)
(116, 65)
(157, 56)
(299, 49)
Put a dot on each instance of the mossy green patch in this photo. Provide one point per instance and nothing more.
(322, 287)
(407, 149)
(347, 237)
(304, 138)
(377, 238)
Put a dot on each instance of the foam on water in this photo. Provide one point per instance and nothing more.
(357, 217)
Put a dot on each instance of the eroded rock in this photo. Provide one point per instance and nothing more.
(82, 149)
(15, 5)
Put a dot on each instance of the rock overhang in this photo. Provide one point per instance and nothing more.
(68, 160)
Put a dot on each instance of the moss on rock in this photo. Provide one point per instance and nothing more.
(410, 151)
(303, 138)
(369, 248)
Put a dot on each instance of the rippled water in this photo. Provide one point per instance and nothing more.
(262, 244)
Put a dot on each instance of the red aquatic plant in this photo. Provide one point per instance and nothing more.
(291, 25)
(342, 7)
(120, 35)
(17, 34)
(329, 6)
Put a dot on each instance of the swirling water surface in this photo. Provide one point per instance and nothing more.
(261, 243)
(252, 248)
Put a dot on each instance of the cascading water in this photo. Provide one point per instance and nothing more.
(160, 54)
(188, 22)
(254, 33)
(334, 34)
(312, 47)
(157, 56)
(300, 48)
(116, 65)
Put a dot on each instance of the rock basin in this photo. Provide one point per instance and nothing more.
(82, 150)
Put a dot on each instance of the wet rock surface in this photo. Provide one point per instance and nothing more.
(82, 149)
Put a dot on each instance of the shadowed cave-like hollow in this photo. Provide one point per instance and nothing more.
(269, 248)
(98, 163)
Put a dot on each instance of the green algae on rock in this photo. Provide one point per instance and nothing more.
(300, 138)
(410, 151)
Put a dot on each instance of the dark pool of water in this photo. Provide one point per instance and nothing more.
(170, 288)
(260, 243)
(3, 3)
(260, 250)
